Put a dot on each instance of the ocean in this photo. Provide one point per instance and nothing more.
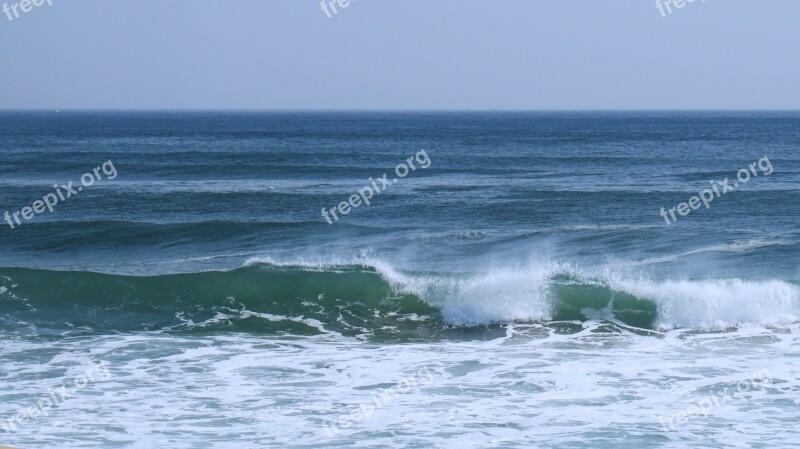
(517, 280)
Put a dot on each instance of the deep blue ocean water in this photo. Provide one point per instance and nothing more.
(524, 264)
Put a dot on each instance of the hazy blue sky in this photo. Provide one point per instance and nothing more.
(404, 54)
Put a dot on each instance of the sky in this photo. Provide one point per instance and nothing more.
(401, 55)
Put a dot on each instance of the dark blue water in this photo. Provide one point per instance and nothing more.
(230, 186)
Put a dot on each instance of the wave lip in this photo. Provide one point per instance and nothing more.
(717, 304)
(501, 295)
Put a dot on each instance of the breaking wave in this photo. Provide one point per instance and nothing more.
(374, 299)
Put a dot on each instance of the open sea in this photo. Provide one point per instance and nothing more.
(519, 287)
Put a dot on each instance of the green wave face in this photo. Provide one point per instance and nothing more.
(251, 299)
(353, 301)
(579, 301)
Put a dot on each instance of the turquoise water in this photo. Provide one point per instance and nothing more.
(520, 287)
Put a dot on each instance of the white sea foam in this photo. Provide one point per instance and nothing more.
(466, 299)
(533, 387)
(717, 304)
(524, 293)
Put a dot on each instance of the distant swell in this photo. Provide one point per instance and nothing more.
(376, 300)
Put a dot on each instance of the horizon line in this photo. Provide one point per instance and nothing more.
(387, 110)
